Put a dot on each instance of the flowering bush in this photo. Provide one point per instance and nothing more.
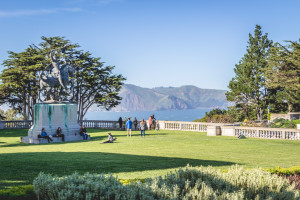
(285, 171)
(292, 174)
(187, 183)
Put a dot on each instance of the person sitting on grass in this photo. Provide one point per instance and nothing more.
(45, 135)
(59, 134)
(111, 139)
(83, 132)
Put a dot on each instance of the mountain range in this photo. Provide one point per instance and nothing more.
(135, 98)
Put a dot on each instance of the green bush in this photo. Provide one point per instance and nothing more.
(283, 123)
(216, 116)
(285, 171)
(18, 193)
(187, 183)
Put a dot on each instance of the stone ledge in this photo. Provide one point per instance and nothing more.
(55, 139)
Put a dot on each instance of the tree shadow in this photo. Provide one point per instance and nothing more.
(13, 132)
(26, 166)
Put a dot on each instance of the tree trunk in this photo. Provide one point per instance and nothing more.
(24, 104)
(28, 106)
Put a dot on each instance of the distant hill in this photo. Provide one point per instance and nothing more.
(136, 98)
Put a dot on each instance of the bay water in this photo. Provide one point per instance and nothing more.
(170, 115)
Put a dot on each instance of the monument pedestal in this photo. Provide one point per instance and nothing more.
(51, 116)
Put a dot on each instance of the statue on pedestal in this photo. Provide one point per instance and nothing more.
(57, 109)
(58, 80)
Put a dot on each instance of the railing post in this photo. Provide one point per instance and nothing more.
(283, 135)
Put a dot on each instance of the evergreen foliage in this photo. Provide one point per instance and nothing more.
(247, 89)
(283, 77)
(19, 84)
(95, 83)
(267, 75)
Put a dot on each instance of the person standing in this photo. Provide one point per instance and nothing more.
(129, 126)
(120, 123)
(45, 135)
(150, 122)
(142, 125)
(135, 122)
(153, 122)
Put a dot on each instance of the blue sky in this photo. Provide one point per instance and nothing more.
(153, 42)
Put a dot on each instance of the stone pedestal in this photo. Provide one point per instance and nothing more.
(213, 130)
(51, 116)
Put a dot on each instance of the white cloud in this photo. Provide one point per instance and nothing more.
(19, 13)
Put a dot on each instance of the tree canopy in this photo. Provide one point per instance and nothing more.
(94, 82)
(247, 88)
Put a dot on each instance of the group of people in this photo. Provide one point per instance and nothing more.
(129, 123)
(142, 124)
(82, 132)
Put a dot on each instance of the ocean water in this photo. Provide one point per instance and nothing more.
(171, 115)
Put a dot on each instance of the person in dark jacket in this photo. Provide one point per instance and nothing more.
(83, 132)
(45, 135)
(59, 134)
(120, 123)
(135, 122)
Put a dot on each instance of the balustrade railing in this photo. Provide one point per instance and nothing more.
(100, 124)
(188, 126)
(226, 129)
(16, 124)
(268, 133)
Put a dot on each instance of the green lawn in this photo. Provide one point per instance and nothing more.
(136, 157)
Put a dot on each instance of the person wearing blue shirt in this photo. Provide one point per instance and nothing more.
(129, 126)
(45, 135)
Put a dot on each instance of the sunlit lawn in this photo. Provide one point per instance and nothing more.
(136, 157)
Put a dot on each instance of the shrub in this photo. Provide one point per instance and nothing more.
(293, 179)
(187, 183)
(18, 193)
(283, 123)
(285, 171)
(292, 174)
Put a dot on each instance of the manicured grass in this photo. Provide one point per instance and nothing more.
(136, 157)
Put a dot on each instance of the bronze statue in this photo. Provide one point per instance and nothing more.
(58, 80)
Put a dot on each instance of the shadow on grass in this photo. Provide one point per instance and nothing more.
(26, 166)
(13, 132)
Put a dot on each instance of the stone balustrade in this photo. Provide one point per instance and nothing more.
(187, 126)
(268, 133)
(212, 129)
(17, 124)
(257, 132)
(103, 124)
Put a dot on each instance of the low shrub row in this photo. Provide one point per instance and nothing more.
(187, 183)
(292, 174)
(284, 123)
(285, 171)
(18, 193)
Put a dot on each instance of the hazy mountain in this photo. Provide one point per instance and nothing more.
(136, 98)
